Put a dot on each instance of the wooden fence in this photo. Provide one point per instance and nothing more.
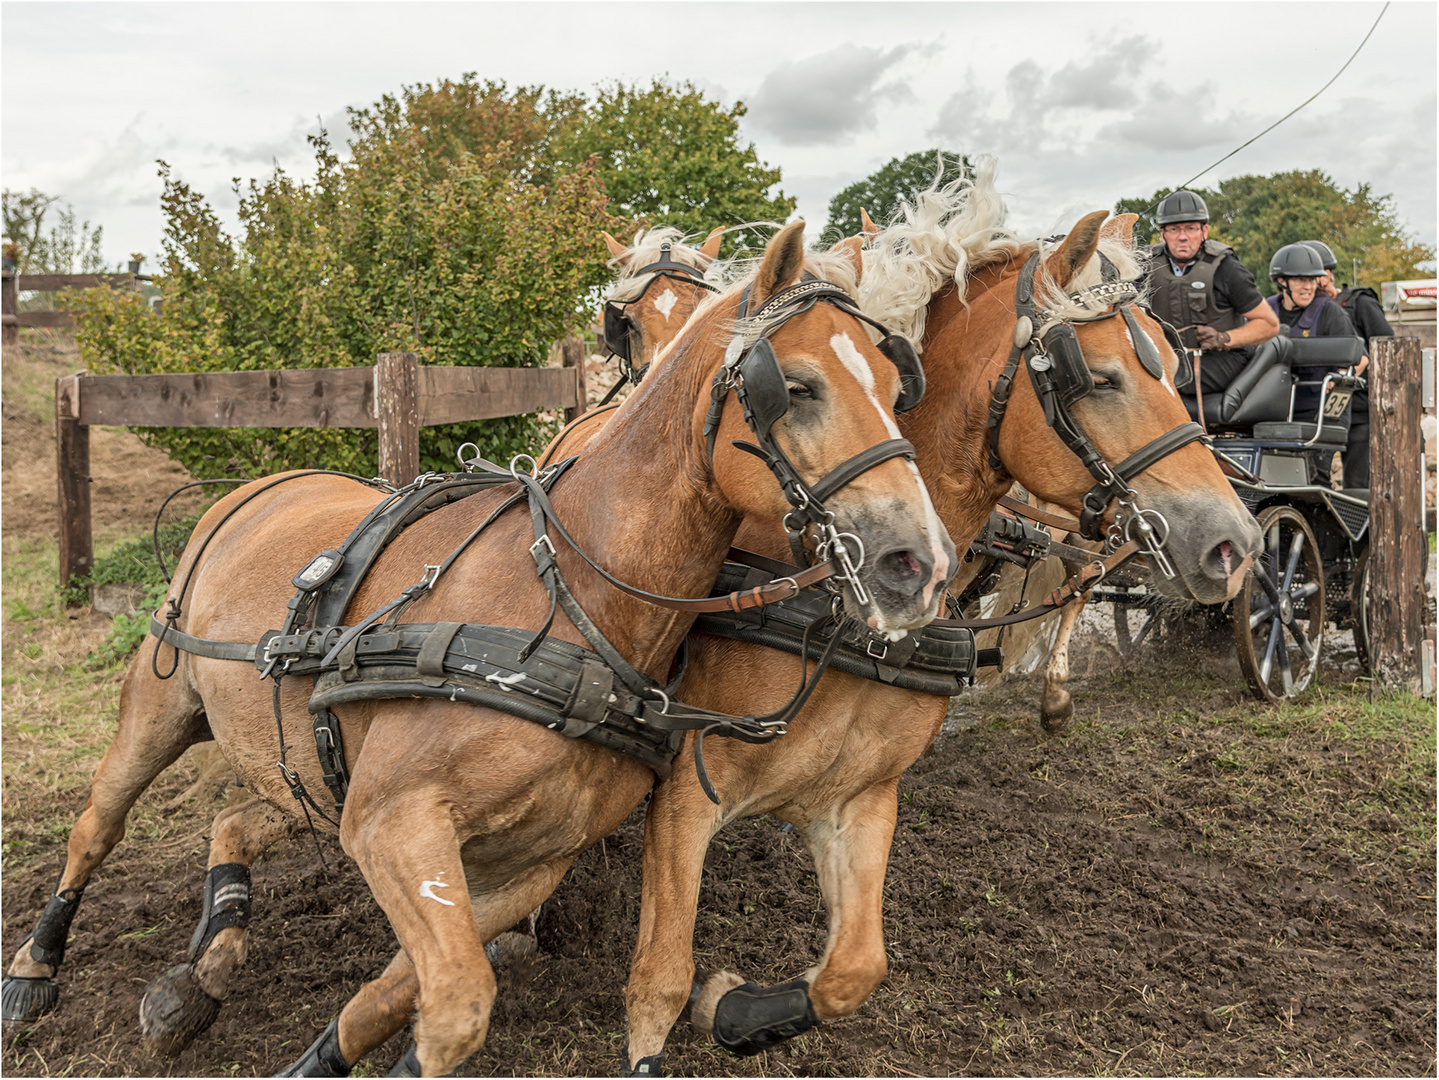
(398, 396)
(11, 285)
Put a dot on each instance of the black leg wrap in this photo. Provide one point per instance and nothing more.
(752, 1018)
(648, 1066)
(227, 903)
(409, 1065)
(323, 1058)
(47, 943)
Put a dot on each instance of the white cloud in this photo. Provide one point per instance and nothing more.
(826, 98)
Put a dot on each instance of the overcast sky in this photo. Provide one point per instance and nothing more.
(1082, 102)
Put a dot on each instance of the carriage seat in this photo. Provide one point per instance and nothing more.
(1262, 395)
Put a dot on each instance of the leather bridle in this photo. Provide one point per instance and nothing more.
(618, 326)
(1050, 354)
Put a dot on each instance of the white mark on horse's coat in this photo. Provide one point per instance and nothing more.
(665, 302)
(857, 366)
(427, 890)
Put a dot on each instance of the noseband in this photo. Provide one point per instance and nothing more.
(753, 372)
(1055, 361)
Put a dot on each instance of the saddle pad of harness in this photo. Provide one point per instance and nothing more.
(935, 660)
(561, 686)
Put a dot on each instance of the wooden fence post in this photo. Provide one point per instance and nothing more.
(72, 479)
(1398, 546)
(10, 308)
(573, 352)
(397, 408)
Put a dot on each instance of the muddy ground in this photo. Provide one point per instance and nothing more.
(1186, 883)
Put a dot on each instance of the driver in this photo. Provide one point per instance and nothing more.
(1200, 287)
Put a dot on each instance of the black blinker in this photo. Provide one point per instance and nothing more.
(617, 331)
(1072, 377)
(901, 354)
(1143, 346)
(761, 388)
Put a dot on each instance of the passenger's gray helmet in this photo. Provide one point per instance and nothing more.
(1325, 255)
(1296, 260)
(1180, 206)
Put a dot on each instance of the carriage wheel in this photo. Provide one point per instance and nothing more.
(1134, 625)
(1359, 608)
(1279, 612)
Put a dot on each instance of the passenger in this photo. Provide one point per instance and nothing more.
(1298, 269)
(1200, 287)
(1367, 314)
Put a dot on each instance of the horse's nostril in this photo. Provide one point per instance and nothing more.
(903, 569)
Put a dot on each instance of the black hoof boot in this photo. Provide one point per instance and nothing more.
(323, 1058)
(409, 1065)
(648, 1066)
(23, 999)
(174, 1010)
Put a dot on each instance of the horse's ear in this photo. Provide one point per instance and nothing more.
(783, 263)
(1078, 248)
(711, 245)
(870, 228)
(851, 249)
(1120, 227)
(617, 250)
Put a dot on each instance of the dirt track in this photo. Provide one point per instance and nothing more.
(1185, 884)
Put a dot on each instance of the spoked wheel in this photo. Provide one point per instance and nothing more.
(1359, 607)
(1134, 624)
(1279, 612)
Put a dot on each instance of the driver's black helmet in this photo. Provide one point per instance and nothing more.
(1180, 206)
(1296, 260)
(1325, 255)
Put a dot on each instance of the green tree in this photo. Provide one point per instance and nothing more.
(465, 265)
(669, 156)
(1257, 215)
(68, 247)
(880, 193)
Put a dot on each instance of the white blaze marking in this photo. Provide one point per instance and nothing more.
(427, 891)
(857, 366)
(665, 302)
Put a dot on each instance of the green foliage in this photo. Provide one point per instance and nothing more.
(458, 261)
(880, 193)
(668, 156)
(1257, 215)
(67, 248)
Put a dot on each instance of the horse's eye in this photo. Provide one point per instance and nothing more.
(798, 389)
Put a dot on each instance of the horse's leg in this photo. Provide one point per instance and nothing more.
(410, 855)
(1055, 706)
(678, 826)
(851, 850)
(183, 1002)
(158, 721)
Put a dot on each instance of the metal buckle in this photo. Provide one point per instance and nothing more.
(883, 649)
(543, 541)
(431, 574)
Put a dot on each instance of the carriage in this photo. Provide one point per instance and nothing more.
(1314, 568)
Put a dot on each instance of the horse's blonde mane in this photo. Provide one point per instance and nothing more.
(831, 266)
(947, 234)
(645, 249)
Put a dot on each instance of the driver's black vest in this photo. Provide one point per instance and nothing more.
(1188, 301)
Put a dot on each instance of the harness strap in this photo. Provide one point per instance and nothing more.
(861, 463)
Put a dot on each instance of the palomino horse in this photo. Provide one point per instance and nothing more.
(445, 799)
(949, 275)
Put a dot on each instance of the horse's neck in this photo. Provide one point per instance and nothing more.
(642, 508)
(950, 435)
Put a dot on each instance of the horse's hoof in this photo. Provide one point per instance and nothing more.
(174, 1010)
(1057, 720)
(24, 999)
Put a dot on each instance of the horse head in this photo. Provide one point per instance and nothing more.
(1095, 422)
(799, 393)
(661, 284)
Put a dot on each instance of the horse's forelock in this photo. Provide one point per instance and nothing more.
(1052, 298)
(645, 249)
(832, 266)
